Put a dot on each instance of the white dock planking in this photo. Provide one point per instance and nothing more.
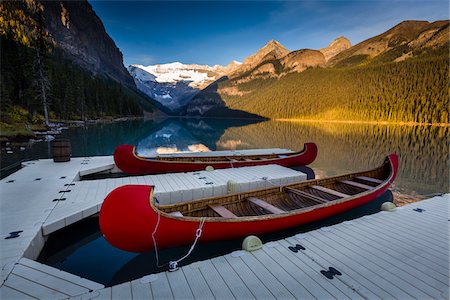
(45, 196)
(402, 254)
(26, 202)
(30, 279)
(84, 198)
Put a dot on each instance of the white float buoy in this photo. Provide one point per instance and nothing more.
(251, 243)
(388, 206)
(209, 168)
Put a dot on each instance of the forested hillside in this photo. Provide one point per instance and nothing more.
(415, 90)
(37, 78)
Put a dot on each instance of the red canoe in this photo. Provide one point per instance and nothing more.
(128, 216)
(129, 162)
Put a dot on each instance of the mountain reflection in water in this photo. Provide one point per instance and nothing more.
(422, 150)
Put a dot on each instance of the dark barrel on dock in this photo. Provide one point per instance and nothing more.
(61, 150)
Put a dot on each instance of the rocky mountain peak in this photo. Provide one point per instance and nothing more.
(272, 46)
(335, 47)
(80, 33)
(272, 50)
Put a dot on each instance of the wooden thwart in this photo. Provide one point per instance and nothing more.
(329, 191)
(223, 212)
(370, 179)
(306, 195)
(267, 206)
(357, 184)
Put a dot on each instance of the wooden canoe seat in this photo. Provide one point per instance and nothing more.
(357, 184)
(176, 214)
(329, 191)
(370, 179)
(267, 206)
(306, 195)
(223, 212)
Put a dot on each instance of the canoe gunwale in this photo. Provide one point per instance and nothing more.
(229, 159)
(240, 196)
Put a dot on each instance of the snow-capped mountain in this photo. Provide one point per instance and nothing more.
(174, 84)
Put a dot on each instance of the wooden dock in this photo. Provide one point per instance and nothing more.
(403, 254)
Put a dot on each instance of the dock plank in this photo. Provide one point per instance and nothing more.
(237, 287)
(179, 285)
(410, 237)
(337, 288)
(141, 291)
(91, 285)
(121, 291)
(7, 293)
(104, 294)
(390, 246)
(267, 278)
(249, 278)
(161, 287)
(33, 289)
(381, 253)
(214, 280)
(197, 283)
(299, 274)
(354, 275)
(372, 270)
(49, 281)
(290, 282)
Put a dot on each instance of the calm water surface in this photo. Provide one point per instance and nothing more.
(81, 249)
(423, 150)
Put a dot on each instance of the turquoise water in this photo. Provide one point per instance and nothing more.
(423, 150)
(81, 249)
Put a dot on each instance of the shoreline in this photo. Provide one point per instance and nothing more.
(24, 133)
(362, 122)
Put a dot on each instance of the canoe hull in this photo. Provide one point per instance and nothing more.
(128, 162)
(128, 220)
(134, 230)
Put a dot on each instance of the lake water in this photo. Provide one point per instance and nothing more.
(423, 150)
(81, 249)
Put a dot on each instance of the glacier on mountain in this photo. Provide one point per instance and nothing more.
(175, 84)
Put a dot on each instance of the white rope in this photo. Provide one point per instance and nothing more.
(173, 265)
(154, 242)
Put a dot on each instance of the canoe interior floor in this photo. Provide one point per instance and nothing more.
(288, 199)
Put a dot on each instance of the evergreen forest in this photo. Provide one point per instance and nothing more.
(38, 80)
(415, 90)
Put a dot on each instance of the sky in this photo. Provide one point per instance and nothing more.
(217, 32)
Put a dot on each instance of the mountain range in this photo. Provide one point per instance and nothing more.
(260, 84)
(174, 84)
(399, 75)
(184, 88)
